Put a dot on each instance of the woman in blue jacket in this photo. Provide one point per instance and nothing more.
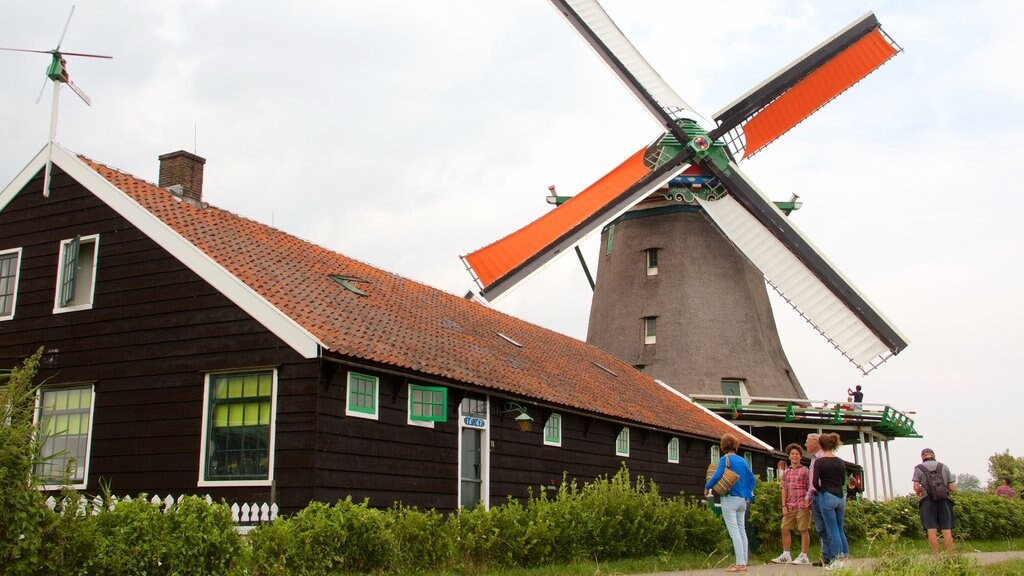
(734, 504)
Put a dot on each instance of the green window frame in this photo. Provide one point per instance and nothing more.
(716, 454)
(673, 450)
(650, 329)
(750, 459)
(239, 420)
(9, 267)
(428, 403)
(652, 261)
(362, 395)
(64, 417)
(68, 266)
(622, 442)
(76, 274)
(553, 430)
(610, 240)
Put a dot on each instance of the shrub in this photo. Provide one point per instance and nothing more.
(765, 515)
(322, 539)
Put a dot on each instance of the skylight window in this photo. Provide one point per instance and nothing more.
(347, 281)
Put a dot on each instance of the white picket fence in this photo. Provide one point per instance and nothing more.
(245, 516)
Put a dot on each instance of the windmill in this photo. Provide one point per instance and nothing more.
(57, 73)
(667, 194)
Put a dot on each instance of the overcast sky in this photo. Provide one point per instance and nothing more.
(407, 133)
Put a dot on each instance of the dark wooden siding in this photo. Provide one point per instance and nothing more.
(154, 330)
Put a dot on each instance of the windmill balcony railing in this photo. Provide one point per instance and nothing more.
(879, 417)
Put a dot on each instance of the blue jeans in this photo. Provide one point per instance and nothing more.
(833, 510)
(822, 529)
(734, 511)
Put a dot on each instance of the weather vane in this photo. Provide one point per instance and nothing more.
(57, 72)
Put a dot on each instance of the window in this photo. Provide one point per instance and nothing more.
(65, 421)
(716, 454)
(9, 260)
(622, 443)
(735, 389)
(362, 396)
(750, 459)
(611, 238)
(553, 430)
(652, 261)
(76, 276)
(238, 431)
(769, 474)
(428, 403)
(673, 450)
(650, 329)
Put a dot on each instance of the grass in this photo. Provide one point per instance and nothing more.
(897, 558)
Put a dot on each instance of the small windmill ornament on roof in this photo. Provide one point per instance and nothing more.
(57, 72)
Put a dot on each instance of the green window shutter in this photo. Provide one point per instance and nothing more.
(622, 443)
(428, 403)
(68, 267)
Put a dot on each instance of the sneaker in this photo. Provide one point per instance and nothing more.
(836, 564)
(802, 559)
(783, 558)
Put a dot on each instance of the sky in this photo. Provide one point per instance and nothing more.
(406, 133)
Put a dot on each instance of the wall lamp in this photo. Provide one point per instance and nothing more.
(523, 420)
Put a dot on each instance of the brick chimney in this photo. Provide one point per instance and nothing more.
(185, 170)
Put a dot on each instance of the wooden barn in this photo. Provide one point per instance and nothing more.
(191, 350)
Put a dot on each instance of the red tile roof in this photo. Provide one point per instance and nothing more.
(407, 324)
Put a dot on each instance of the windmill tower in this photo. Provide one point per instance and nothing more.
(702, 320)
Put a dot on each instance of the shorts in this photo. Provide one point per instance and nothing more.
(936, 515)
(800, 518)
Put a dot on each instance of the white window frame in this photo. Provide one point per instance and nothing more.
(13, 295)
(38, 420)
(349, 411)
(202, 482)
(622, 440)
(554, 422)
(485, 453)
(652, 270)
(673, 450)
(650, 330)
(716, 454)
(93, 239)
(744, 395)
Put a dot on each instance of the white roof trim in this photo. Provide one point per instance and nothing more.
(297, 337)
(739, 430)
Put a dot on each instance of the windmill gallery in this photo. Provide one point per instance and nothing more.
(191, 350)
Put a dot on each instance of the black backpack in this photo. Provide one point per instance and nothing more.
(934, 483)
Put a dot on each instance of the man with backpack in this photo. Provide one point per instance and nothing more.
(934, 484)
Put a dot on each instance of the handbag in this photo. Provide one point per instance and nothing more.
(725, 483)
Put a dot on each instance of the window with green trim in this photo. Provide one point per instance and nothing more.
(749, 459)
(650, 329)
(76, 275)
(716, 454)
(428, 403)
(610, 239)
(553, 430)
(622, 443)
(65, 422)
(673, 450)
(238, 433)
(362, 395)
(9, 266)
(652, 261)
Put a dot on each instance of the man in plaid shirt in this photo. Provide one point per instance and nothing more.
(796, 508)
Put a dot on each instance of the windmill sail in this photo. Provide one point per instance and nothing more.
(795, 268)
(778, 104)
(502, 265)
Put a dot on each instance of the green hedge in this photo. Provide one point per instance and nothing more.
(979, 516)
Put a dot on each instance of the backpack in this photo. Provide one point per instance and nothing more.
(934, 483)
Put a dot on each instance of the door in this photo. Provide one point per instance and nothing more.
(473, 452)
